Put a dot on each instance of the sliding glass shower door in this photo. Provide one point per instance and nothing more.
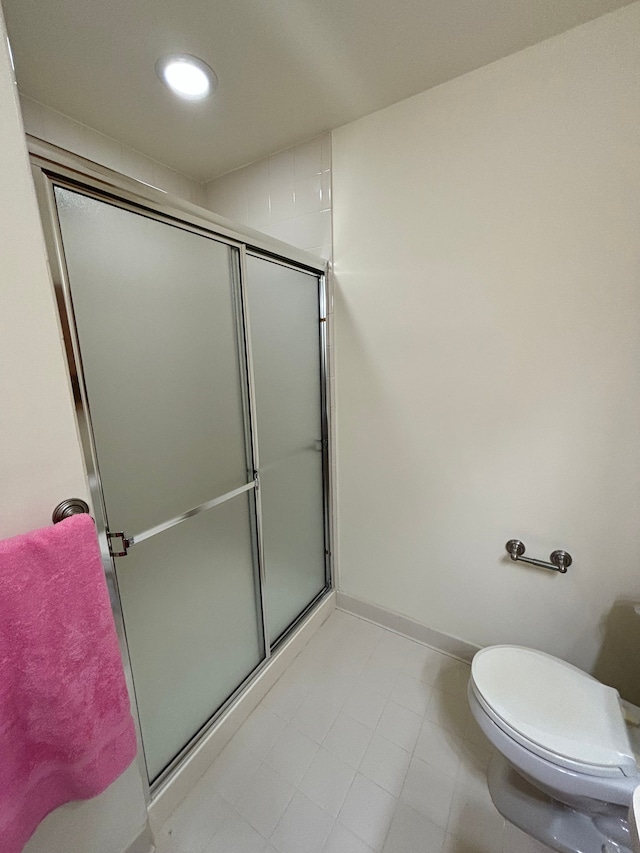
(286, 332)
(160, 338)
(198, 372)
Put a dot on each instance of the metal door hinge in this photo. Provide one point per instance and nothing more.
(256, 480)
(126, 543)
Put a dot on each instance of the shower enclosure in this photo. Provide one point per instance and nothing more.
(197, 356)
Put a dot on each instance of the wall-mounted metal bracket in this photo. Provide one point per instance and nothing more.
(69, 507)
(559, 560)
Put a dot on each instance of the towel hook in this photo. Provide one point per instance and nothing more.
(65, 509)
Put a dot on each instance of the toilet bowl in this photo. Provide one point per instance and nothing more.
(634, 820)
(567, 760)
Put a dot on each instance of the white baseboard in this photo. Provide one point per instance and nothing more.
(176, 788)
(143, 843)
(453, 646)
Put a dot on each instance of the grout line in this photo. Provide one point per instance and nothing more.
(324, 653)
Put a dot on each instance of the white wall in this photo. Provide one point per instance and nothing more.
(487, 261)
(287, 196)
(45, 123)
(40, 459)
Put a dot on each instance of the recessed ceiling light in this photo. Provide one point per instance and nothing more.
(187, 76)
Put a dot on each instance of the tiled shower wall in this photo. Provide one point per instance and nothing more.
(71, 135)
(287, 195)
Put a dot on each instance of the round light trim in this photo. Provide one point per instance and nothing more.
(187, 76)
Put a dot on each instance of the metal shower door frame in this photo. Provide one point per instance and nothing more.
(323, 379)
(52, 167)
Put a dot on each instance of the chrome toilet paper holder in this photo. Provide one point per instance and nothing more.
(559, 561)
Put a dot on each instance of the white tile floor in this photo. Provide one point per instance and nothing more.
(365, 744)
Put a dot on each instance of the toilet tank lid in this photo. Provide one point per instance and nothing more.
(554, 706)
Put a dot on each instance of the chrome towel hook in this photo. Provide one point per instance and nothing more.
(65, 509)
(559, 560)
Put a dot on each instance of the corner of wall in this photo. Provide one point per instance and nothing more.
(65, 132)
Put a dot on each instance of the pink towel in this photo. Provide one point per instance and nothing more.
(66, 730)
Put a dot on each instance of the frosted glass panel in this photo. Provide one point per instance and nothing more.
(285, 340)
(189, 605)
(155, 316)
(154, 307)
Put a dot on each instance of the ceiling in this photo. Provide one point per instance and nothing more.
(288, 69)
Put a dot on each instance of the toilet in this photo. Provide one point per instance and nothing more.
(568, 749)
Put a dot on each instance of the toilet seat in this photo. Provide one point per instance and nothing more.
(554, 709)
